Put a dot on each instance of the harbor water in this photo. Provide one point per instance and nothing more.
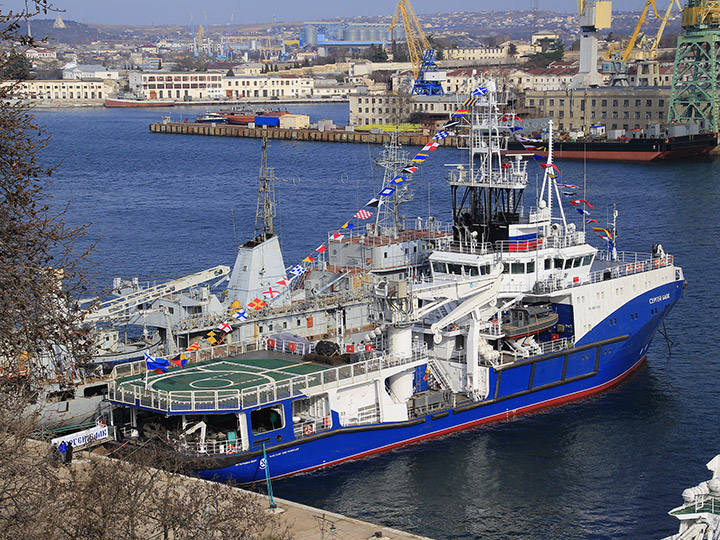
(610, 466)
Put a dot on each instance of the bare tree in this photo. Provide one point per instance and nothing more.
(43, 272)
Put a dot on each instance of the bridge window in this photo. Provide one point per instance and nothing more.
(531, 267)
(472, 271)
(578, 262)
(587, 259)
(455, 269)
(559, 264)
(548, 264)
(568, 264)
(267, 419)
(517, 268)
(484, 269)
(440, 267)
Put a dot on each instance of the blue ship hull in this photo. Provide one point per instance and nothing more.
(608, 353)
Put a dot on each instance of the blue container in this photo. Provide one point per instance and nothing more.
(267, 121)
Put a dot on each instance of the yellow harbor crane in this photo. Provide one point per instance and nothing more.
(422, 56)
(633, 38)
(663, 24)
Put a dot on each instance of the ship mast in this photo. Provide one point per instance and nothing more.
(487, 193)
(392, 160)
(265, 211)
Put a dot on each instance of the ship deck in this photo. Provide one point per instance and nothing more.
(233, 374)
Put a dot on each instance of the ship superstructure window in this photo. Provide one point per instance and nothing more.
(568, 264)
(548, 264)
(577, 262)
(472, 271)
(517, 268)
(455, 269)
(267, 419)
(587, 260)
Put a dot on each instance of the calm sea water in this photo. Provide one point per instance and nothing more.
(607, 467)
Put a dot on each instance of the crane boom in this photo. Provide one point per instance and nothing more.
(663, 24)
(117, 306)
(636, 32)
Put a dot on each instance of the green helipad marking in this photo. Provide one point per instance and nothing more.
(229, 375)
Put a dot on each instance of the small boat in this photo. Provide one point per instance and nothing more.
(119, 102)
(211, 118)
(699, 514)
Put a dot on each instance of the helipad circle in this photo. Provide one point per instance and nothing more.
(212, 384)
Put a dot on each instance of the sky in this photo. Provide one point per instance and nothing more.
(150, 12)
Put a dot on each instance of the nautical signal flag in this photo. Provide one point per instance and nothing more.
(348, 226)
(479, 91)
(549, 166)
(420, 157)
(604, 231)
(363, 214)
(158, 365)
(470, 102)
(225, 327)
(400, 179)
(409, 170)
(194, 347)
(430, 147)
(307, 259)
(577, 202)
(374, 203)
(590, 220)
(283, 282)
(321, 248)
(440, 135)
(272, 293)
(506, 165)
(299, 269)
(257, 304)
(461, 112)
(569, 186)
(335, 236)
(582, 211)
(240, 314)
(180, 361)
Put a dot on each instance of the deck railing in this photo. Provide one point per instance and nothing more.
(193, 401)
(626, 264)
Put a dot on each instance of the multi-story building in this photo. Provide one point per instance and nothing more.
(367, 110)
(623, 108)
(272, 86)
(64, 92)
(88, 72)
(176, 85)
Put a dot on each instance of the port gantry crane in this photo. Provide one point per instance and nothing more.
(428, 80)
(695, 94)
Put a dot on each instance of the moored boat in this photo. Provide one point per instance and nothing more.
(506, 311)
(625, 149)
(699, 514)
(138, 102)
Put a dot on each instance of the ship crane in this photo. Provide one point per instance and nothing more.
(428, 80)
(123, 304)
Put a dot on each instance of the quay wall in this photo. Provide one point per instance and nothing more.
(338, 136)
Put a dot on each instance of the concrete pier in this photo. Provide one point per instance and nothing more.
(311, 135)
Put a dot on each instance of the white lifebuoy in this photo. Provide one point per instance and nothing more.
(229, 449)
(308, 430)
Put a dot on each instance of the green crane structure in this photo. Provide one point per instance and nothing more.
(695, 94)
